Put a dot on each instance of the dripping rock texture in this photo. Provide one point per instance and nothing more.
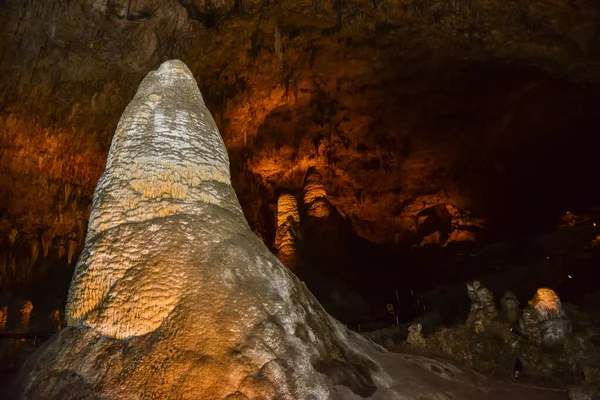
(175, 298)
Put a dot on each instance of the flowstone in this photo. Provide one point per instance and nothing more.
(174, 297)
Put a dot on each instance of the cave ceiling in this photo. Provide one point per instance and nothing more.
(488, 107)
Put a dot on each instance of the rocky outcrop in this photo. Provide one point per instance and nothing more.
(174, 297)
(288, 229)
(432, 219)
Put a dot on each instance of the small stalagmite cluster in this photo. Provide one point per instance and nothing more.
(288, 229)
(543, 321)
(174, 297)
(315, 196)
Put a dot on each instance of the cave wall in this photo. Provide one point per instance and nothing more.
(400, 105)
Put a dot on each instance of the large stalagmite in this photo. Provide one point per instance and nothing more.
(173, 296)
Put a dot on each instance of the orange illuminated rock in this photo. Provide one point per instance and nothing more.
(553, 320)
(288, 229)
(174, 297)
(315, 196)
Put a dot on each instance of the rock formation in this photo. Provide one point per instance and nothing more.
(174, 297)
(288, 229)
(26, 316)
(529, 326)
(552, 318)
(510, 307)
(415, 337)
(483, 310)
(315, 195)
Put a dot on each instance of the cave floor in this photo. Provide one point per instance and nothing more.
(500, 386)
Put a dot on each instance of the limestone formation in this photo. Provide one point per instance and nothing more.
(510, 307)
(46, 241)
(174, 297)
(552, 318)
(34, 246)
(415, 337)
(288, 229)
(529, 326)
(315, 196)
(483, 309)
(26, 316)
(72, 249)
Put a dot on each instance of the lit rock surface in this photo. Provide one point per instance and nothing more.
(315, 196)
(288, 228)
(553, 320)
(175, 298)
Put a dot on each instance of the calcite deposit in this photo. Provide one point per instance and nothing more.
(315, 195)
(288, 229)
(174, 297)
(553, 320)
(483, 309)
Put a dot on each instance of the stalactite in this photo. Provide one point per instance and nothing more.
(73, 243)
(12, 236)
(81, 230)
(278, 46)
(46, 241)
(62, 248)
(74, 204)
(67, 193)
(34, 247)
